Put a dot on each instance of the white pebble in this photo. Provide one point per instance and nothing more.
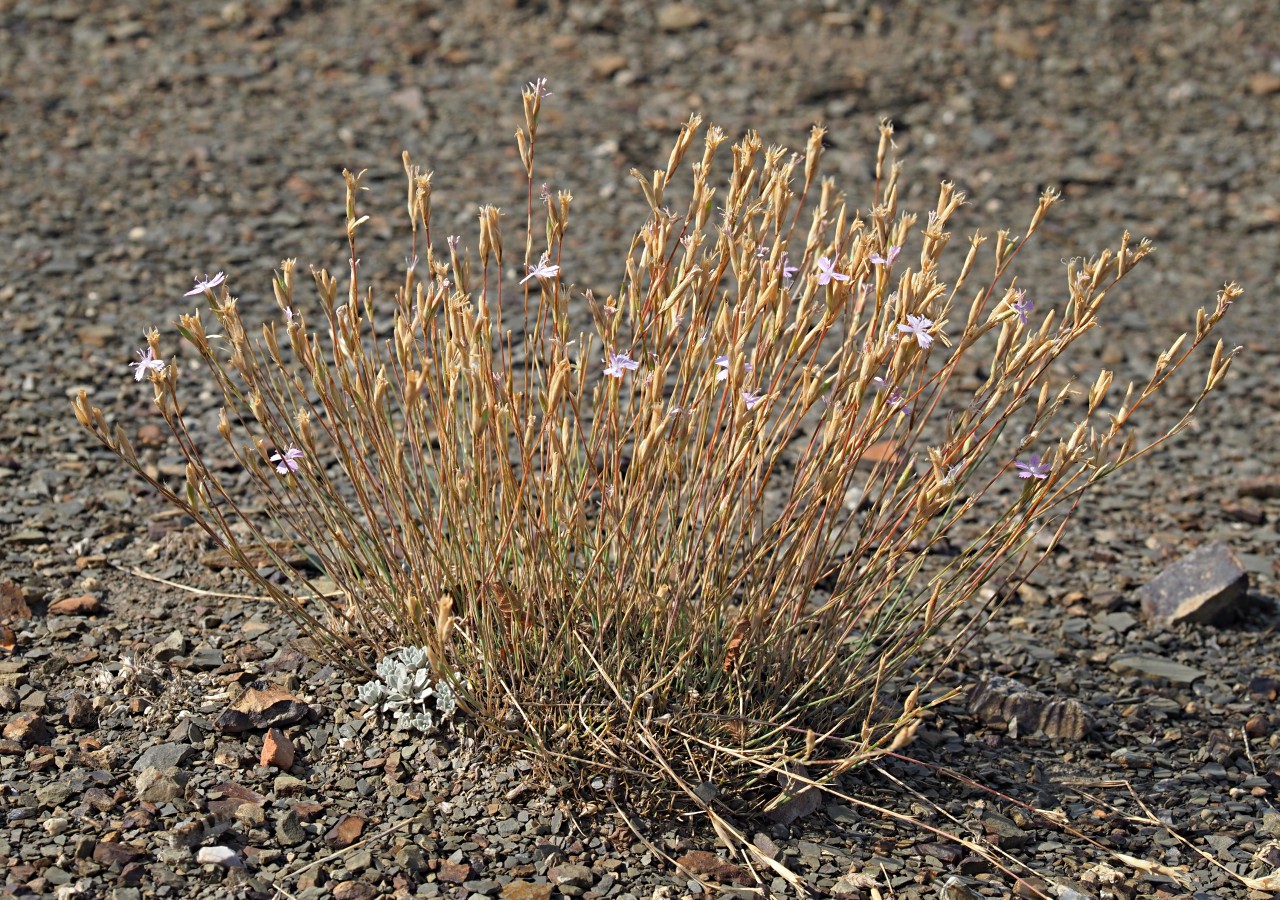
(219, 856)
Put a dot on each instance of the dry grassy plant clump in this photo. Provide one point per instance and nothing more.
(698, 537)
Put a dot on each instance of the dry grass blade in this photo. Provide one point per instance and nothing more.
(202, 592)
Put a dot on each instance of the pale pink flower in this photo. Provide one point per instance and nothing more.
(207, 284)
(1034, 469)
(146, 363)
(887, 260)
(723, 363)
(918, 328)
(751, 398)
(543, 269)
(827, 271)
(619, 364)
(899, 399)
(1022, 306)
(288, 461)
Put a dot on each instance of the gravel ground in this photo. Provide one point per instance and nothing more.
(144, 144)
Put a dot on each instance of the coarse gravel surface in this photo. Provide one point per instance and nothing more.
(142, 144)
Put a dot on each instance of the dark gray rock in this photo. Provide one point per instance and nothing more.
(289, 831)
(163, 756)
(1155, 667)
(1205, 586)
(205, 658)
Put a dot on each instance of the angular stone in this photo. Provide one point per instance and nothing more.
(999, 699)
(519, 889)
(949, 854)
(226, 808)
(277, 750)
(307, 810)
(766, 845)
(99, 799)
(345, 833)
(53, 794)
(454, 873)
(411, 859)
(354, 890)
(163, 756)
(249, 814)
(1154, 667)
(1003, 830)
(28, 729)
(79, 711)
(174, 645)
(288, 786)
(206, 658)
(289, 831)
(262, 707)
(1204, 587)
(161, 785)
(484, 887)
(138, 818)
(56, 875)
(570, 875)
(110, 853)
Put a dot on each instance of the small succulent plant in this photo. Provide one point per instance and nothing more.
(404, 692)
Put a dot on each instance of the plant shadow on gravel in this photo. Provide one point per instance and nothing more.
(691, 548)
